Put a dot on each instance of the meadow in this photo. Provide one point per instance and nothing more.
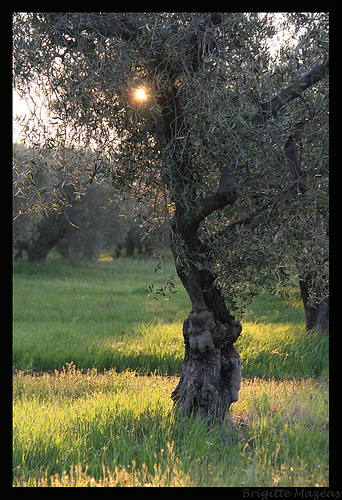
(95, 360)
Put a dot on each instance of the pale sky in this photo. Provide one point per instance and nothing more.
(19, 108)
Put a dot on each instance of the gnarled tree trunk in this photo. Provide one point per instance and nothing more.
(211, 371)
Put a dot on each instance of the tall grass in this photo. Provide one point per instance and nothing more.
(119, 429)
(107, 418)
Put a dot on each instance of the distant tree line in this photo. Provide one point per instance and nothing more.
(97, 221)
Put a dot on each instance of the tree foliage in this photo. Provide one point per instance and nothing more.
(233, 135)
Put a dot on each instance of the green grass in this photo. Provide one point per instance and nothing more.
(107, 419)
(99, 315)
(119, 429)
(96, 315)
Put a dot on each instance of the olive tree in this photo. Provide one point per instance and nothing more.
(79, 225)
(194, 114)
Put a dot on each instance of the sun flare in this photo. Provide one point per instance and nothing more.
(140, 94)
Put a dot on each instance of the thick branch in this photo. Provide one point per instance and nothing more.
(291, 152)
(226, 194)
(291, 92)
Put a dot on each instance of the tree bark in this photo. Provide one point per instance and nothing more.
(211, 371)
(316, 317)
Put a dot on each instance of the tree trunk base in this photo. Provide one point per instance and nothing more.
(316, 317)
(211, 371)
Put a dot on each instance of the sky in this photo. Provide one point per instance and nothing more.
(20, 108)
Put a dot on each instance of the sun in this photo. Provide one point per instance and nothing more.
(140, 94)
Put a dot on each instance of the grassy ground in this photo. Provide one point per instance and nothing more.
(117, 427)
(99, 315)
(96, 315)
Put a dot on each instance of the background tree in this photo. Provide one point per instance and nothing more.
(209, 147)
(95, 221)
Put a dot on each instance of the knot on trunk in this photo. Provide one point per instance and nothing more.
(201, 324)
(235, 380)
(234, 331)
(205, 333)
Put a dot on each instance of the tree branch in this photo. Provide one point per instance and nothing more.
(289, 93)
(226, 194)
(291, 152)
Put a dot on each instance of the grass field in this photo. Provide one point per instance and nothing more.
(106, 418)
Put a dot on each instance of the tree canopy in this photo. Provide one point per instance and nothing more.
(231, 135)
